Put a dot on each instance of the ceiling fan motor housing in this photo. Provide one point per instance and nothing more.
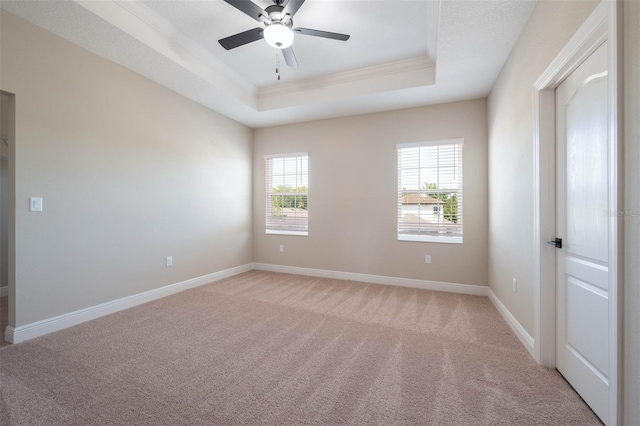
(275, 15)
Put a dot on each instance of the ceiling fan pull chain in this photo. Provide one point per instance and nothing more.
(278, 66)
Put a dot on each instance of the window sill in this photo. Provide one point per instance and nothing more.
(430, 239)
(278, 232)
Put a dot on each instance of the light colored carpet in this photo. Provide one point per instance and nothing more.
(267, 348)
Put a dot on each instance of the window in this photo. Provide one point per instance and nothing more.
(287, 184)
(430, 191)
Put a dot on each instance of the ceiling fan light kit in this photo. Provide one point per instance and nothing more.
(278, 32)
(278, 35)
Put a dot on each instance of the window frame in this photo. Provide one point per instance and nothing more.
(269, 193)
(453, 239)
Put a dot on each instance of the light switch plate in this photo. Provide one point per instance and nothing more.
(35, 204)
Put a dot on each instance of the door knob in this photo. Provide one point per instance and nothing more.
(557, 243)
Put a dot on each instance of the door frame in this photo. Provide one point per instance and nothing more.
(600, 27)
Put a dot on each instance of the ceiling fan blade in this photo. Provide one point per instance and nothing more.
(324, 34)
(248, 7)
(290, 57)
(242, 38)
(292, 7)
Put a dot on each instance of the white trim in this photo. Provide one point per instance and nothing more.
(421, 63)
(475, 290)
(49, 325)
(616, 203)
(4, 291)
(279, 232)
(544, 207)
(458, 141)
(601, 26)
(511, 320)
(429, 239)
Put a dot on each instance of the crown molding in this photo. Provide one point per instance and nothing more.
(395, 76)
(140, 22)
(137, 20)
(404, 66)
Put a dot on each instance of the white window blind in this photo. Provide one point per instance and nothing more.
(430, 191)
(287, 194)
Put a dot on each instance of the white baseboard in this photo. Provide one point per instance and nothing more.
(476, 290)
(517, 328)
(4, 291)
(40, 328)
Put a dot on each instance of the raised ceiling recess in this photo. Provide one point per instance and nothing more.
(384, 55)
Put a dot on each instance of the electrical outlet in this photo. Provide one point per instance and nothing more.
(35, 204)
(515, 285)
(281, 248)
(427, 259)
(169, 261)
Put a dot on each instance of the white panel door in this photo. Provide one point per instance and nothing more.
(582, 264)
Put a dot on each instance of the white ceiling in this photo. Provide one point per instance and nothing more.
(400, 33)
(402, 53)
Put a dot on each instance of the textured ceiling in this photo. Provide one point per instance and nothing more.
(402, 53)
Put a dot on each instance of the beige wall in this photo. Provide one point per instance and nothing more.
(130, 173)
(631, 361)
(551, 25)
(353, 194)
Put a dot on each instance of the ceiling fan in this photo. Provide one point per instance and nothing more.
(278, 31)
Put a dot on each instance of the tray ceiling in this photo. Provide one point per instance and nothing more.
(401, 54)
